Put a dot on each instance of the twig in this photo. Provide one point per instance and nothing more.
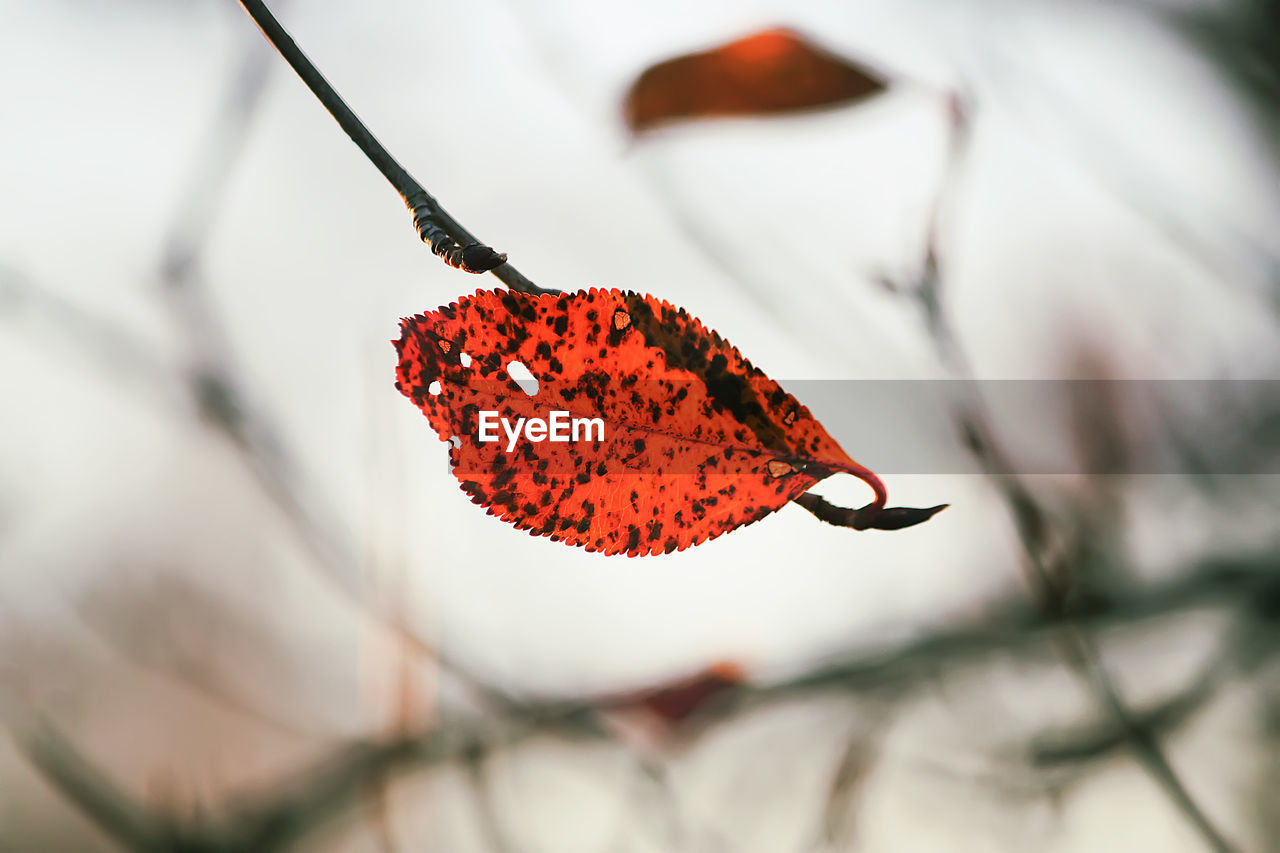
(445, 235)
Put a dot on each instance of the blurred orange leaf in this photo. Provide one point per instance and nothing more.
(771, 72)
(677, 701)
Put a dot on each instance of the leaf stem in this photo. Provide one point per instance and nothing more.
(447, 238)
(873, 516)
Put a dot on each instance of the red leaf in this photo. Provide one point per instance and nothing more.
(696, 441)
(677, 701)
(771, 72)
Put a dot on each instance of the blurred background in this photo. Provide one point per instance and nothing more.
(243, 604)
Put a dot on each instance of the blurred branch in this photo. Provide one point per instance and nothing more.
(276, 820)
(1232, 583)
(1141, 740)
(338, 784)
(496, 838)
(1052, 569)
(1097, 741)
(73, 328)
(1245, 44)
(850, 772)
(654, 779)
(218, 386)
(154, 628)
(968, 409)
(91, 791)
(379, 809)
(219, 152)
(445, 235)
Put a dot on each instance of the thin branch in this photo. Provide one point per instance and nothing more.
(445, 235)
(95, 794)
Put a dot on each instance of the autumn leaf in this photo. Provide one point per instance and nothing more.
(683, 438)
(673, 703)
(771, 72)
(660, 718)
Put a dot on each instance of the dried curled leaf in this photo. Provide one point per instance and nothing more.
(659, 718)
(771, 72)
(679, 700)
(694, 441)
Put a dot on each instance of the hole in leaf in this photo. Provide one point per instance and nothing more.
(435, 387)
(518, 372)
(464, 359)
(778, 468)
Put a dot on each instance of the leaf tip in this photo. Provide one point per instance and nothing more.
(902, 517)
